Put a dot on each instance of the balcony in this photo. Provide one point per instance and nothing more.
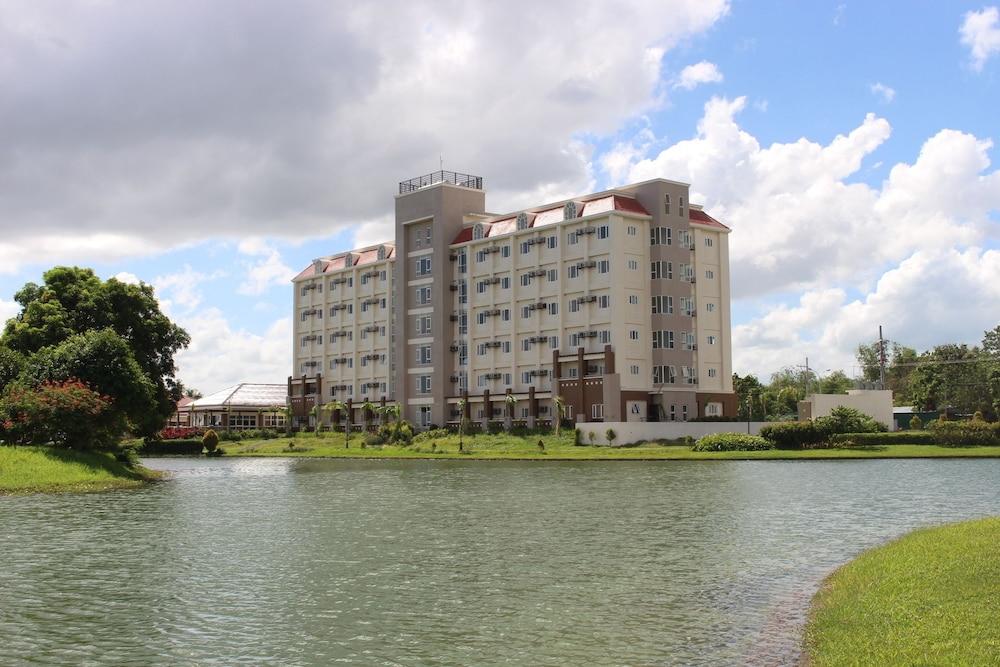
(452, 177)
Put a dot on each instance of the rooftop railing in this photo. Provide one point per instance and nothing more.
(453, 177)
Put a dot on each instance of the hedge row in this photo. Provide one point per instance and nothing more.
(965, 434)
(879, 439)
(180, 447)
(731, 442)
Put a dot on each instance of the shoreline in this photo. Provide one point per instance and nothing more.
(930, 585)
(29, 470)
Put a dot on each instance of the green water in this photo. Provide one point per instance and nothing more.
(313, 562)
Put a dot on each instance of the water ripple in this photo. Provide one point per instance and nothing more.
(300, 562)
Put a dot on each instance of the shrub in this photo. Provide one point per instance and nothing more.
(210, 440)
(792, 435)
(432, 434)
(577, 437)
(881, 439)
(731, 442)
(978, 416)
(66, 414)
(181, 432)
(965, 434)
(610, 435)
(495, 428)
(848, 420)
(915, 423)
(373, 440)
(592, 436)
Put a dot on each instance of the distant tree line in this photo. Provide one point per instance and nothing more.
(961, 378)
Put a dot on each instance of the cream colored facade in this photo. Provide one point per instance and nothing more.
(618, 301)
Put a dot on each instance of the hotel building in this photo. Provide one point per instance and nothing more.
(617, 301)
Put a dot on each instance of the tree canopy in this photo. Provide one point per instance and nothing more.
(108, 334)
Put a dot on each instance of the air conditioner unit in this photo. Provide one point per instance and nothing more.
(453, 318)
(452, 257)
(693, 313)
(538, 272)
(495, 312)
(694, 346)
(454, 378)
(453, 348)
(453, 287)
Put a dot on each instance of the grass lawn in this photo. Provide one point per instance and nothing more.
(513, 447)
(930, 598)
(41, 469)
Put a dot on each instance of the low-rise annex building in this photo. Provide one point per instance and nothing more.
(617, 301)
(240, 407)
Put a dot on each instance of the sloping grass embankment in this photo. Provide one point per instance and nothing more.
(47, 469)
(931, 597)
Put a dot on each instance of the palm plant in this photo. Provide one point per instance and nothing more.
(367, 410)
(461, 421)
(393, 412)
(511, 402)
(560, 405)
(341, 407)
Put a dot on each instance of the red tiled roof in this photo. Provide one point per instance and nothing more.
(549, 216)
(184, 402)
(340, 262)
(702, 218)
(463, 236)
(613, 203)
(505, 226)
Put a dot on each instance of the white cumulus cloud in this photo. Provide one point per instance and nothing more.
(980, 32)
(697, 74)
(883, 92)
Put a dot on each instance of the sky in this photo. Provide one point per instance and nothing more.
(214, 149)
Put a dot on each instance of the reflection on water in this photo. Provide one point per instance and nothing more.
(314, 562)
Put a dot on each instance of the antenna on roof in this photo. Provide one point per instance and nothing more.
(441, 161)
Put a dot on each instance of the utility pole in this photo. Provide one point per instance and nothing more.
(881, 359)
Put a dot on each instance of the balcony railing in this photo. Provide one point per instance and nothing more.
(455, 178)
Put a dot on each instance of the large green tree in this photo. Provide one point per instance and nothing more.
(73, 301)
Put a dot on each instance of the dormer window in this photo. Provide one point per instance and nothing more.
(381, 252)
(477, 232)
(522, 220)
(569, 210)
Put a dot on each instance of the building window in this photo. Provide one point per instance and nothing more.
(424, 354)
(424, 325)
(573, 271)
(463, 261)
(505, 282)
(597, 411)
(553, 308)
(633, 335)
(603, 266)
(680, 211)
(553, 242)
(711, 372)
(574, 305)
(633, 265)
(423, 384)
(659, 236)
(424, 416)
(666, 204)
(603, 231)
(604, 301)
(631, 230)
(633, 299)
(525, 279)
(710, 307)
(635, 369)
(663, 340)
(505, 314)
(662, 270)
(505, 251)
(712, 340)
(423, 296)
(422, 266)
(553, 275)
(525, 247)
(708, 244)
(713, 410)
(709, 274)
(663, 304)
(572, 238)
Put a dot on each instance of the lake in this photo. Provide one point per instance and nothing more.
(319, 562)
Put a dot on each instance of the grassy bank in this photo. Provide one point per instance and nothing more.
(43, 469)
(513, 447)
(929, 598)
